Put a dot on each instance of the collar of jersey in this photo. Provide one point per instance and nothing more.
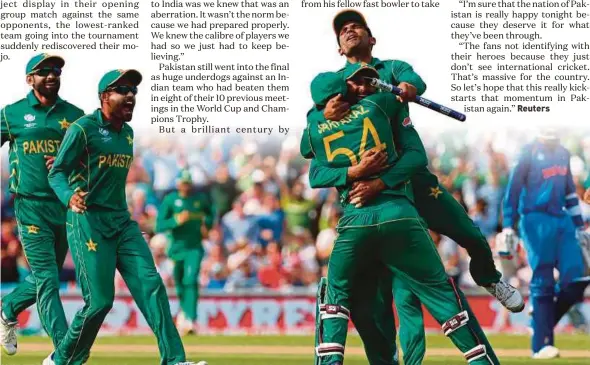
(103, 123)
(33, 101)
(374, 62)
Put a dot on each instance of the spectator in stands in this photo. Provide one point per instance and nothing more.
(483, 218)
(223, 192)
(214, 270)
(165, 266)
(271, 221)
(252, 198)
(449, 254)
(243, 275)
(325, 240)
(238, 226)
(272, 274)
(299, 211)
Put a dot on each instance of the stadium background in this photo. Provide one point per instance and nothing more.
(273, 233)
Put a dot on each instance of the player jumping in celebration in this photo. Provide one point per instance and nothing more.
(187, 216)
(35, 127)
(88, 176)
(441, 211)
(387, 229)
(541, 190)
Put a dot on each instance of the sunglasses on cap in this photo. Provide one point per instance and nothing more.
(45, 71)
(123, 89)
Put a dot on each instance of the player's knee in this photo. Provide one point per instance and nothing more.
(542, 288)
(190, 281)
(543, 282)
(455, 322)
(47, 283)
(152, 284)
(100, 307)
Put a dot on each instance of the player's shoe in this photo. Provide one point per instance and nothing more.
(507, 295)
(8, 335)
(49, 360)
(547, 352)
(192, 363)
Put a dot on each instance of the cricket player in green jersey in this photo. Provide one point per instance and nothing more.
(187, 215)
(34, 127)
(440, 210)
(88, 176)
(387, 229)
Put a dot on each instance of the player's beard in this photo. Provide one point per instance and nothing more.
(47, 88)
(123, 109)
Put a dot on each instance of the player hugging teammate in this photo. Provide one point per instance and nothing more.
(379, 165)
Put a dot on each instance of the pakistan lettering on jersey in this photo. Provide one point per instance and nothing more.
(95, 158)
(33, 131)
(187, 235)
(340, 144)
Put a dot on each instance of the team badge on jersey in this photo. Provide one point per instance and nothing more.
(29, 117)
(103, 131)
(178, 203)
(407, 122)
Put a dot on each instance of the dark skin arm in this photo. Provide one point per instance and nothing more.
(337, 108)
(372, 163)
(364, 191)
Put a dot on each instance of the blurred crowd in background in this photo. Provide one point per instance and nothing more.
(272, 231)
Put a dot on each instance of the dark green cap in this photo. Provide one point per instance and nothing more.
(36, 61)
(184, 177)
(348, 15)
(327, 85)
(113, 76)
(353, 69)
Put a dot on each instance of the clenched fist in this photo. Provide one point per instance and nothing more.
(78, 202)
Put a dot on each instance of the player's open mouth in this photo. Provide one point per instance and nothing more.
(351, 37)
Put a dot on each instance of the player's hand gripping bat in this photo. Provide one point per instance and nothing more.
(420, 100)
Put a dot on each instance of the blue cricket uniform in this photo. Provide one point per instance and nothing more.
(541, 192)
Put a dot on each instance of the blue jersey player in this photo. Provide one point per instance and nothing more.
(541, 192)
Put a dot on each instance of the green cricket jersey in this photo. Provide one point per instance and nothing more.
(34, 131)
(393, 72)
(339, 145)
(187, 235)
(94, 158)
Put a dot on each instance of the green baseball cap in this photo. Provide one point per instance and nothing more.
(326, 85)
(113, 76)
(184, 177)
(348, 15)
(37, 60)
(354, 69)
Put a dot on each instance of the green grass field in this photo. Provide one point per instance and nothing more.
(288, 350)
